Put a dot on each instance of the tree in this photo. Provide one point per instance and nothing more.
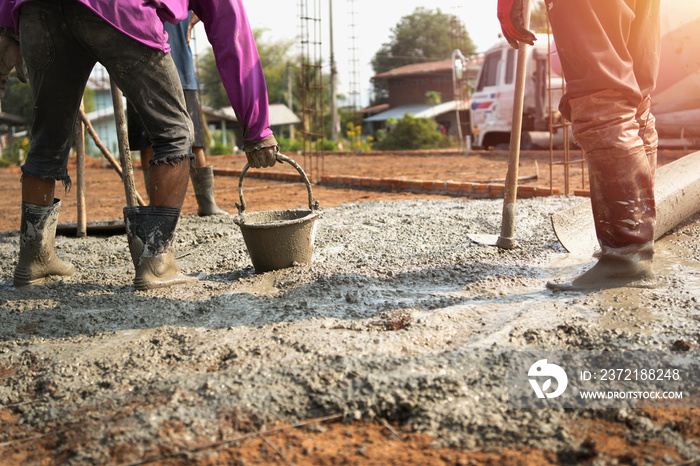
(273, 57)
(423, 36)
(18, 99)
(213, 92)
(538, 17)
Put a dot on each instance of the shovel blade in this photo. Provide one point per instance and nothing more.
(485, 239)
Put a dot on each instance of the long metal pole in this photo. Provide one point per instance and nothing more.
(505, 240)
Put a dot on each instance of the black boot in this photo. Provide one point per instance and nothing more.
(37, 260)
(150, 232)
(203, 184)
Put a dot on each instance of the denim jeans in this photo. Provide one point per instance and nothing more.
(61, 40)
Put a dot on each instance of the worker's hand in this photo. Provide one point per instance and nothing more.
(10, 57)
(510, 14)
(263, 157)
(194, 19)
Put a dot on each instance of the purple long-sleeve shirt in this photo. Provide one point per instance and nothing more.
(228, 31)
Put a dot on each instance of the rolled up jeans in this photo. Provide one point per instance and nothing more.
(61, 41)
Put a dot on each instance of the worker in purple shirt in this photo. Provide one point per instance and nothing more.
(60, 43)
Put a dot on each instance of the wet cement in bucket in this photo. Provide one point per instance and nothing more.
(279, 238)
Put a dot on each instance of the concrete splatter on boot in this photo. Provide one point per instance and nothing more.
(614, 271)
(37, 260)
(620, 143)
(624, 212)
(150, 231)
(203, 184)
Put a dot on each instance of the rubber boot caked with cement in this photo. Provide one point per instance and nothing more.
(37, 259)
(625, 216)
(620, 143)
(150, 231)
(203, 184)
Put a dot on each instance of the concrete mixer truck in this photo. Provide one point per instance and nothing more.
(675, 102)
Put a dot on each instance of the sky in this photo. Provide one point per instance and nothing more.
(374, 20)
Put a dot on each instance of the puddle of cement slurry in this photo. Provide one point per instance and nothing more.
(628, 309)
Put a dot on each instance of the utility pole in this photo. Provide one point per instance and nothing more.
(335, 125)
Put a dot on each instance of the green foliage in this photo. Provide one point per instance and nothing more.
(289, 145)
(16, 154)
(433, 98)
(89, 100)
(213, 92)
(356, 142)
(423, 36)
(274, 57)
(410, 133)
(18, 99)
(217, 146)
(538, 17)
(329, 146)
(219, 149)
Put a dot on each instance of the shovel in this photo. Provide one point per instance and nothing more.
(124, 153)
(505, 239)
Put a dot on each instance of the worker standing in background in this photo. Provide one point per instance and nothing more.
(201, 174)
(609, 51)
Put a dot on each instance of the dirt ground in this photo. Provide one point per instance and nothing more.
(105, 193)
(387, 349)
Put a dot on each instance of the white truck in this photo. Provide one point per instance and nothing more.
(675, 102)
(492, 101)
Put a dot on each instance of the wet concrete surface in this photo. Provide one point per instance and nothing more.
(398, 316)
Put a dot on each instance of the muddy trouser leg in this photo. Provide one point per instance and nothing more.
(150, 229)
(149, 80)
(647, 132)
(57, 75)
(37, 260)
(622, 192)
(58, 70)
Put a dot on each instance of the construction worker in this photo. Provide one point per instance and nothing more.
(60, 42)
(609, 51)
(201, 174)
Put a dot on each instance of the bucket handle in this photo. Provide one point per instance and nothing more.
(280, 158)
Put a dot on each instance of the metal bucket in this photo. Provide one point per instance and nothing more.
(277, 239)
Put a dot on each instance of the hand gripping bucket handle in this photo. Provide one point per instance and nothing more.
(280, 158)
(279, 238)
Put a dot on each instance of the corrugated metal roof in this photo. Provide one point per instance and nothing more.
(418, 111)
(425, 68)
(417, 68)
